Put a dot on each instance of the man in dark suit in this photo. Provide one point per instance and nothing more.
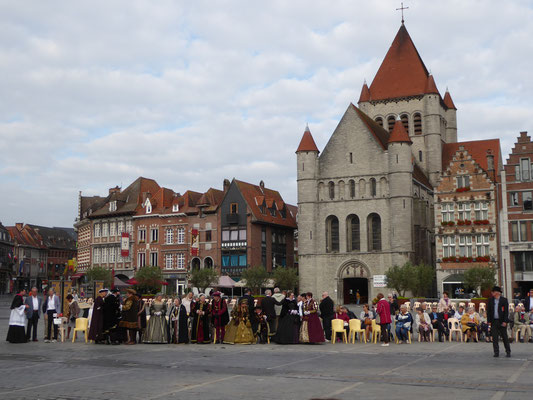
(33, 313)
(437, 322)
(528, 303)
(497, 317)
(327, 314)
(251, 301)
(268, 304)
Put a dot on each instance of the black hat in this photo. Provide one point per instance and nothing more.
(497, 289)
(115, 290)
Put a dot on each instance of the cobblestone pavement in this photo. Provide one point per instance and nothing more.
(340, 371)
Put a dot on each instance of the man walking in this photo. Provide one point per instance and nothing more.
(497, 316)
(33, 313)
(326, 313)
(52, 305)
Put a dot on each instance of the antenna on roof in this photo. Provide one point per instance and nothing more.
(402, 8)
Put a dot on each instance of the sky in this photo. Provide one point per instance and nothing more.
(97, 93)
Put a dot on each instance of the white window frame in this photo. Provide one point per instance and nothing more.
(104, 255)
(113, 206)
(129, 227)
(96, 230)
(120, 228)
(514, 200)
(181, 235)
(447, 210)
(148, 206)
(105, 231)
(464, 211)
(112, 228)
(481, 209)
(169, 261)
(154, 238)
(141, 259)
(180, 260)
(96, 255)
(175, 207)
(154, 260)
(169, 235)
(112, 254)
(525, 174)
(141, 234)
(463, 181)
(448, 245)
(482, 245)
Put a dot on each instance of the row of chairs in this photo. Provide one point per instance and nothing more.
(454, 305)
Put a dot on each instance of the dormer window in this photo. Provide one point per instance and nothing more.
(113, 206)
(148, 207)
(175, 207)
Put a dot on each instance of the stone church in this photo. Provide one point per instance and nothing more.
(366, 200)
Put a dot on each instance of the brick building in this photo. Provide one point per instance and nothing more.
(468, 203)
(6, 260)
(256, 228)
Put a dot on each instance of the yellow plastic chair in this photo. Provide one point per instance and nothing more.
(416, 305)
(472, 305)
(355, 327)
(81, 326)
(337, 326)
(455, 326)
(482, 306)
(376, 331)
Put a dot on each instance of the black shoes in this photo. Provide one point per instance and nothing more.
(508, 354)
(496, 355)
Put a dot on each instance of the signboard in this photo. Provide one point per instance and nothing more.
(380, 280)
(125, 244)
(195, 242)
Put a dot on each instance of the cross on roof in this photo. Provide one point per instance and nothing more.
(402, 8)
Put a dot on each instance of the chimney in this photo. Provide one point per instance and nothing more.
(115, 189)
(19, 225)
(262, 185)
(490, 161)
(226, 185)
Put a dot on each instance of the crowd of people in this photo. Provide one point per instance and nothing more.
(279, 317)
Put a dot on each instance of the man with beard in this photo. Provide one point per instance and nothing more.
(112, 317)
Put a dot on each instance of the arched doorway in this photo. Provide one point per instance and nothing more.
(195, 263)
(353, 278)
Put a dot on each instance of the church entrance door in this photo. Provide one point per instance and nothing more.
(352, 286)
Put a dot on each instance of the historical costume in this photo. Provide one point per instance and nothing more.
(179, 323)
(112, 317)
(141, 317)
(261, 326)
(17, 320)
(239, 329)
(73, 312)
(156, 328)
(289, 323)
(97, 318)
(200, 322)
(311, 330)
(129, 316)
(220, 316)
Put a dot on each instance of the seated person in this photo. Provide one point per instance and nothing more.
(459, 313)
(342, 313)
(366, 318)
(521, 324)
(404, 321)
(424, 325)
(437, 322)
(469, 324)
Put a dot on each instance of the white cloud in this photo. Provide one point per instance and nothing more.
(97, 93)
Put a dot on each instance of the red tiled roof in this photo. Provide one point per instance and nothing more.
(307, 143)
(398, 134)
(419, 175)
(448, 100)
(160, 201)
(365, 93)
(250, 192)
(431, 87)
(402, 72)
(478, 149)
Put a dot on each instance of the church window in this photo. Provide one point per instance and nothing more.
(374, 232)
(379, 121)
(417, 122)
(420, 155)
(352, 188)
(362, 188)
(332, 234)
(353, 233)
(391, 121)
(331, 187)
(373, 187)
(405, 122)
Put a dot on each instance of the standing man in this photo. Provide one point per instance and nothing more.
(529, 301)
(268, 304)
(33, 313)
(111, 313)
(383, 310)
(220, 316)
(497, 316)
(96, 330)
(52, 305)
(279, 297)
(326, 313)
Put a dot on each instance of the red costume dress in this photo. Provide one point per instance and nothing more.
(220, 315)
(311, 330)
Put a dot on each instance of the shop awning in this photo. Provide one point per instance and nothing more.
(76, 276)
(225, 282)
(455, 278)
(120, 283)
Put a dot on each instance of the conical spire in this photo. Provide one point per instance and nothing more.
(431, 87)
(307, 143)
(365, 94)
(448, 100)
(398, 134)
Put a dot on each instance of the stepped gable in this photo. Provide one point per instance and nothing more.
(478, 149)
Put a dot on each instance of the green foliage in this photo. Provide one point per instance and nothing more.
(285, 278)
(149, 279)
(203, 278)
(99, 274)
(416, 278)
(255, 277)
(482, 278)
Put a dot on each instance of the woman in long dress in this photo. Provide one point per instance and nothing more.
(200, 329)
(178, 322)
(289, 322)
(239, 329)
(311, 330)
(17, 319)
(156, 328)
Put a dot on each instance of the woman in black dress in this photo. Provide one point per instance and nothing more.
(178, 323)
(17, 320)
(289, 322)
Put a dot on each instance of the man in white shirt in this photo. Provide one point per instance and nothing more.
(33, 313)
(52, 305)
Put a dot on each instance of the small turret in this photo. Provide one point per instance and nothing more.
(451, 118)
(307, 143)
(365, 94)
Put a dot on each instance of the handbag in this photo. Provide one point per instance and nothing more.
(471, 324)
(368, 321)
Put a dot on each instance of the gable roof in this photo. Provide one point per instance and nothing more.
(307, 143)
(478, 149)
(380, 134)
(402, 72)
(55, 238)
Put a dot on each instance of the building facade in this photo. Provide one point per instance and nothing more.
(6, 260)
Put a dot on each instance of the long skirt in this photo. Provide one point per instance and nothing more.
(16, 334)
(239, 334)
(288, 330)
(156, 330)
(311, 330)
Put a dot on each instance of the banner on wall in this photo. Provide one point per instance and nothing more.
(125, 244)
(195, 242)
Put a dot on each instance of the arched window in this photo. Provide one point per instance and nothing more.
(383, 187)
(374, 232)
(353, 234)
(391, 121)
(352, 189)
(321, 191)
(405, 122)
(332, 234)
(373, 187)
(195, 263)
(331, 187)
(379, 121)
(208, 262)
(417, 122)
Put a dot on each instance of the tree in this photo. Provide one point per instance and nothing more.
(255, 277)
(149, 279)
(397, 278)
(480, 278)
(418, 279)
(203, 278)
(99, 274)
(285, 278)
